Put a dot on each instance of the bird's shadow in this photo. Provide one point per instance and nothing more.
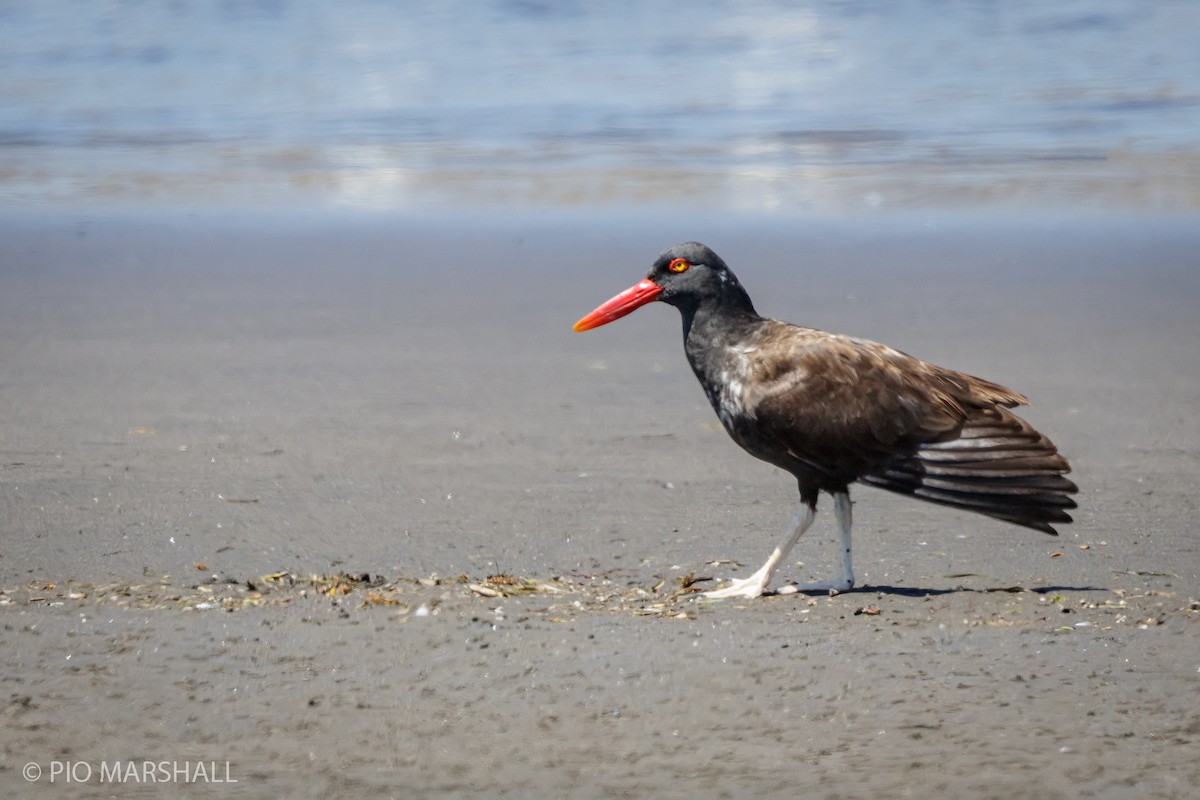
(916, 591)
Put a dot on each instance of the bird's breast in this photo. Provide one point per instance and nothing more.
(725, 385)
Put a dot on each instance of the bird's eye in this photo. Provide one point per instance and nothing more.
(679, 265)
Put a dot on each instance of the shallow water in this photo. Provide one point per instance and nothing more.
(825, 106)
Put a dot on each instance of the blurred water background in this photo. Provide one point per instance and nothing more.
(827, 106)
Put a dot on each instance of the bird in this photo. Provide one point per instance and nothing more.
(833, 410)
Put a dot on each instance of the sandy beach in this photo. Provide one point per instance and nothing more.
(339, 506)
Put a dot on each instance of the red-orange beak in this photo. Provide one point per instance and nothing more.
(625, 303)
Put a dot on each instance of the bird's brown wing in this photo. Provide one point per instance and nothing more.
(847, 406)
(852, 409)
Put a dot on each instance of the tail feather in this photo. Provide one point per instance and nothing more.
(998, 465)
(1031, 468)
(986, 504)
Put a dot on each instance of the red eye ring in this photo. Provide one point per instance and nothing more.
(679, 265)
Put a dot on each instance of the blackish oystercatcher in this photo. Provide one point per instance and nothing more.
(833, 410)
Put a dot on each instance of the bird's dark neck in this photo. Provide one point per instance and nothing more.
(713, 323)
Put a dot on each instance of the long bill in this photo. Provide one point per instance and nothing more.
(626, 302)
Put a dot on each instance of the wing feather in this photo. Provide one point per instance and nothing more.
(834, 409)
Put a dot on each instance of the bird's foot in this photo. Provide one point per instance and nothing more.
(747, 588)
(831, 587)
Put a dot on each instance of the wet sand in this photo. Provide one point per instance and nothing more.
(342, 506)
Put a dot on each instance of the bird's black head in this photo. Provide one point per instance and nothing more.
(690, 273)
(685, 276)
